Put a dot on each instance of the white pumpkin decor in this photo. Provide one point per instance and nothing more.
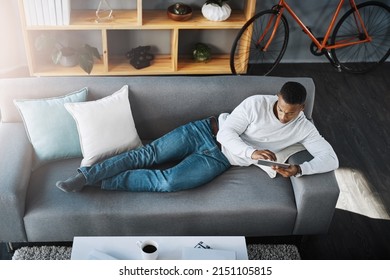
(216, 10)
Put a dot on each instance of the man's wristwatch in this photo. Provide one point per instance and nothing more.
(299, 172)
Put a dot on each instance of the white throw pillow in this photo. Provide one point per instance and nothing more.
(106, 126)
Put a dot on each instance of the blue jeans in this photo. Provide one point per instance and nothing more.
(193, 145)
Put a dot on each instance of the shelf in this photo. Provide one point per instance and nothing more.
(163, 64)
(152, 19)
(170, 46)
(159, 19)
(86, 18)
(218, 64)
(58, 70)
(160, 64)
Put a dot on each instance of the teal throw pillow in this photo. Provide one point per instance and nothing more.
(50, 128)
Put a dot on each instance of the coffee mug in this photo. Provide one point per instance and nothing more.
(149, 249)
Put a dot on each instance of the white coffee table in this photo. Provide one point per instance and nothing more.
(170, 247)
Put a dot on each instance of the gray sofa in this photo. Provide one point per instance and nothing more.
(242, 201)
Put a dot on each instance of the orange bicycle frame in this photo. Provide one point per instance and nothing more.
(320, 45)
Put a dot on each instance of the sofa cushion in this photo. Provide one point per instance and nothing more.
(106, 126)
(241, 201)
(50, 128)
(151, 97)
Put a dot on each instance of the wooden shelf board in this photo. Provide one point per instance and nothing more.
(121, 19)
(162, 64)
(219, 64)
(58, 70)
(152, 19)
(158, 19)
(85, 19)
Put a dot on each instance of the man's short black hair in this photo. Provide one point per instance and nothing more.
(293, 93)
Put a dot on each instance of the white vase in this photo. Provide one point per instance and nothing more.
(214, 12)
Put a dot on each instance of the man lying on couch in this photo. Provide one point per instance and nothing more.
(258, 128)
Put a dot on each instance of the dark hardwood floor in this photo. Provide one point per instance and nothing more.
(353, 113)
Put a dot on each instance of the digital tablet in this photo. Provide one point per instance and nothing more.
(272, 163)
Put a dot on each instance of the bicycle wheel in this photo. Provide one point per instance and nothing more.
(248, 54)
(361, 58)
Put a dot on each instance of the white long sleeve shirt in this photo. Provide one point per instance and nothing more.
(253, 126)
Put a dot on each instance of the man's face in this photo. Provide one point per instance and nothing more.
(286, 112)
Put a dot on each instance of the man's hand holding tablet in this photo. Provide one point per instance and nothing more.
(268, 158)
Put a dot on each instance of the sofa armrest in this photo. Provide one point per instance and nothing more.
(15, 168)
(316, 197)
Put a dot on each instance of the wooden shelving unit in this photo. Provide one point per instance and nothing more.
(128, 20)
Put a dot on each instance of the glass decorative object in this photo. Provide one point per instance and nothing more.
(104, 12)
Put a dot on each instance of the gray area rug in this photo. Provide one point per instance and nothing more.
(43, 253)
(255, 252)
(273, 252)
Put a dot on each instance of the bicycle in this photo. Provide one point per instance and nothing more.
(360, 40)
